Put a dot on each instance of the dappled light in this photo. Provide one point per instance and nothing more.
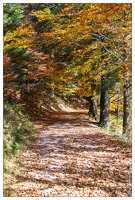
(74, 157)
(67, 128)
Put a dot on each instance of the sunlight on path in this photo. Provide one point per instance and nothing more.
(77, 158)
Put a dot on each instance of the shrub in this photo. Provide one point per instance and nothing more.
(17, 128)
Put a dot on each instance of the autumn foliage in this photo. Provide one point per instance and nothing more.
(82, 51)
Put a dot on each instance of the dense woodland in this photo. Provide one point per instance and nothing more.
(78, 53)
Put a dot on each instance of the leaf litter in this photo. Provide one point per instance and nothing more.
(72, 156)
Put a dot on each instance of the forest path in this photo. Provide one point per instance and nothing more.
(72, 156)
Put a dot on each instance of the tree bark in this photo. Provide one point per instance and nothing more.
(117, 110)
(127, 108)
(93, 107)
(127, 78)
(104, 107)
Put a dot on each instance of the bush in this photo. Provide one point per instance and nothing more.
(17, 128)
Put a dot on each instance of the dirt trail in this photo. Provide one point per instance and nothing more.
(74, 157)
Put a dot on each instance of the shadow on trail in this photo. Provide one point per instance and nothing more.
(60, 118)
(73, 151)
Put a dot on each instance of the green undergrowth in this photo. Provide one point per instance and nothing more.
(17, 129)
(116, 130)
(18, 132)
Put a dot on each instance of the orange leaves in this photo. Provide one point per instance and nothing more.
(42, 64)
(6, 62)
(9, 75)
(109, 11)
(22, 30)
(84, 32)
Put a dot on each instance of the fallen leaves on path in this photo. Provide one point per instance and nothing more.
(74, 157)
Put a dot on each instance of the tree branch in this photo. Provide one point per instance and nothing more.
(111, 52)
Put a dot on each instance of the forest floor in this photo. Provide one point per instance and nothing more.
(73, 156)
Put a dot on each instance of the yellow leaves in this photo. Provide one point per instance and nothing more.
(25, 43)
(43, 15)
(19, 32)
(84, 69)
(22, 30)
(21, 37)
(8, 37)
(47, 11)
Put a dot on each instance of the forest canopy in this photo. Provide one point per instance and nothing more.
(80, 49)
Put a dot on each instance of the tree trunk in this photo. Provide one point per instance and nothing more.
(127, 109)
(105, 109)
(127, 78)
(92, 103)
(117, 110)
(104, 105)
(93, 107)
